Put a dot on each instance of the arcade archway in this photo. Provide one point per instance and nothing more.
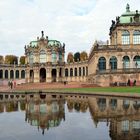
(53, 75)
(42, 75)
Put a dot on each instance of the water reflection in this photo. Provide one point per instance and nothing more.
(44, 114)
(122, 116)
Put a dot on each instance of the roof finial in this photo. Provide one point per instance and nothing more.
(42, 32)
(127, 8)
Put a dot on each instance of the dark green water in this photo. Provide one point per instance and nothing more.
(70, 118)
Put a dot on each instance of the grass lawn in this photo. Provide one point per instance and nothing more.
(100, 89)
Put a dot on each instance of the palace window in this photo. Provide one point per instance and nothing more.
(11, 74)
(75, 71)
(79, 71)
(126, 104)
(136, 61)
(31, 58)
(136, 126)
(125, 126)
(126, 62)
(83, 71)
(17, 74)
(60, 56)
(66, 72)
(71, 72)
(54, 57)
(23, 74)
(113, 63)
(42, 56)
(136, 37)
(86, 71)
(101, 104)
(113, 104)
(102, 63)
(1, 74)
(125, 37)
(6, 74)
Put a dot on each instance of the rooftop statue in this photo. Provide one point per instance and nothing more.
(127, 8)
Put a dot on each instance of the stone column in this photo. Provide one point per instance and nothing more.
(48, 75)
(27, 75)
(20, 74)
(131, 38)
(57, 74)
(36, 75)
(107, 63)
(8, 74)
(3, 76)
(119, 62)
(119, 37)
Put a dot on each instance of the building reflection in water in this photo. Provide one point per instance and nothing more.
(45, 114)
(121, 115)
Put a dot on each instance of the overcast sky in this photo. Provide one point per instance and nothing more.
(77, 23)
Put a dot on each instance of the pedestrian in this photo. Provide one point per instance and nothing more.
(134, 83)
(14, 84)
(11, 83)
(128, 83)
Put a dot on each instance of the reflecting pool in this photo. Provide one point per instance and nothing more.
(69, 117)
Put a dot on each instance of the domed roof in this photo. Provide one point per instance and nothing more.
(51, 43)
(128, 16)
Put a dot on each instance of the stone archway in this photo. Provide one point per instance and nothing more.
(54, 72)
(42, 75)
(31, 76)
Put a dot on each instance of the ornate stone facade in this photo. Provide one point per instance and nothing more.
(119, 60)
(116, 62)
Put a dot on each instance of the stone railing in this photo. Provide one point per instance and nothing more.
(125, 70)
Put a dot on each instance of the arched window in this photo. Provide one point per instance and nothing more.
(113, 104)
(136, 37)
(102, 63)
(42, 56)
(113, 63)
(126, 104)
(60, 56)
(125, 126)
(11, 74)
(31, 58)
(17, 74)
(83, 71)
(136, 61)
(6, 74)
(1, 74)
(79, 71)
(136, 104)
(86, 71)
(23, 74)
(125, 37)
(71, 72)
(54, 57)
(126, 62)
(66, 72)
(75, 71)
(101, 104)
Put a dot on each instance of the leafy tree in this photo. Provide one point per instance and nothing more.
(22, 60)
(70, 57)
(83, 56)
(76, 57)
(11, 59)
(1, 59)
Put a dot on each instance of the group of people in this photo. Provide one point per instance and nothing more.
(11, 84)
(131, 83)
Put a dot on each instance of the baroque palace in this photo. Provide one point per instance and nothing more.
(108, 63)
